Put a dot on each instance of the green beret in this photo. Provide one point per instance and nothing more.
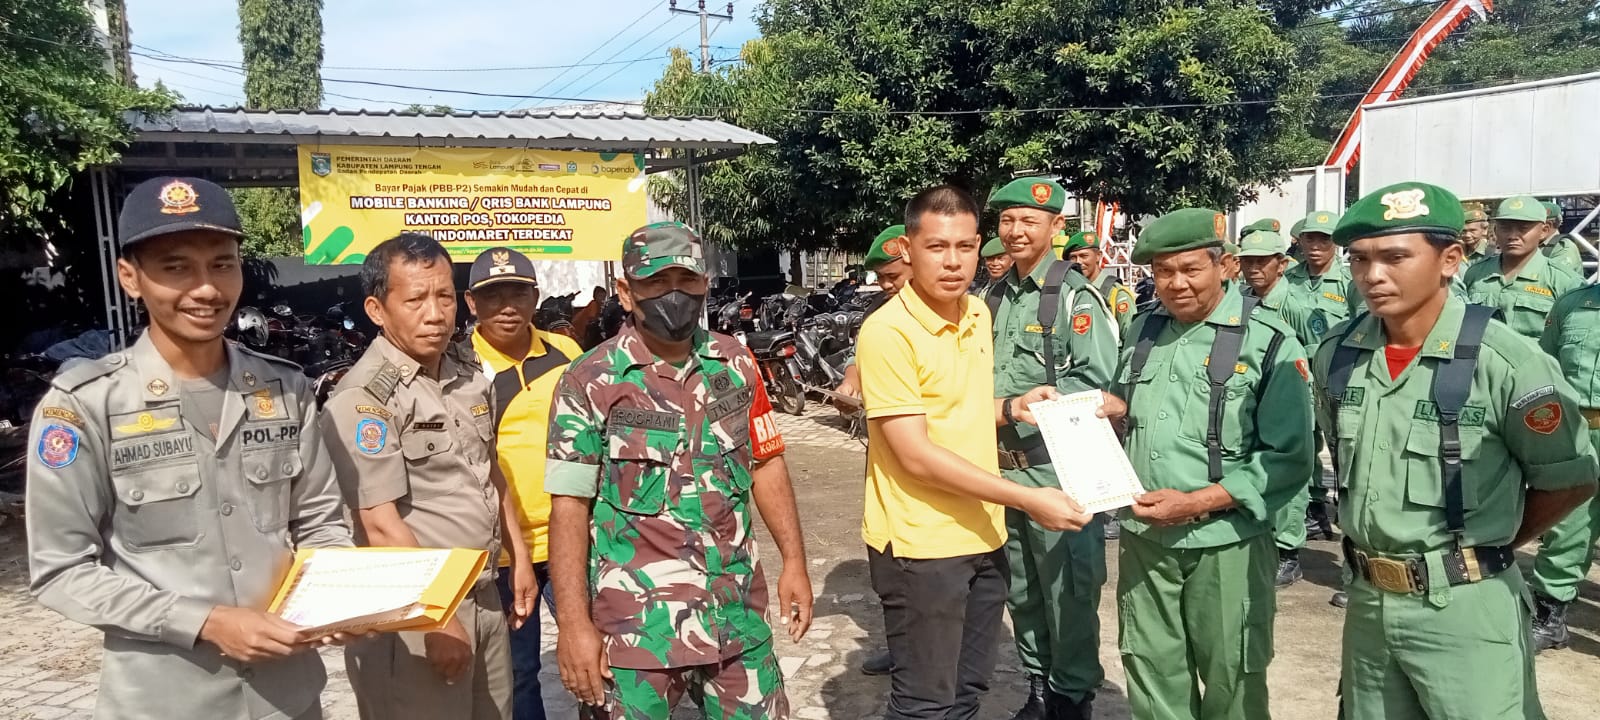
(1262, 243)
(1409, 207)
(1521, 207)
(1474, 212)
(1178, 231)
(993, 248)
(1321, 221)
(1080, 240)
(878, 257)
(1298, 227)
(1029, 192)
(1271, 224)
(1552, 211)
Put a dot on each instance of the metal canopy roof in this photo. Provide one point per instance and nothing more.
(243, 147)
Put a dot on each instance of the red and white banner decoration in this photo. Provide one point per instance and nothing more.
(1402, 69)
(1105, 219)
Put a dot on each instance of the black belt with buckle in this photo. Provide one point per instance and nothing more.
(1024, 459)
(1410, 574)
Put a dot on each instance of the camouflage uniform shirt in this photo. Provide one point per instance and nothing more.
(665, 453)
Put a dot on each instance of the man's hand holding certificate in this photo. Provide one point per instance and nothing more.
(1088, 458)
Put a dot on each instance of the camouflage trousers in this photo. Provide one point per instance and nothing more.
(747, 687)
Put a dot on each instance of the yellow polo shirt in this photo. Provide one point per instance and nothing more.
(523, 388)
(913, 362)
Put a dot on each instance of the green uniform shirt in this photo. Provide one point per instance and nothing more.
(1307, 321)
(1523, 299)
(1572, 337)
(1519, 429)
(1119, 299)
(1267, 444)
(1563, 252)
(1084, 340)
(1333, 291)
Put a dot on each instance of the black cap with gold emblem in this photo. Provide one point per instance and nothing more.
(164, 205)
(501, 265)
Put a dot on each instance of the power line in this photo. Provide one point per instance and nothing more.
(597, 48)
(630, 46)
(614, 73)
(1373, 13)
(169, 57)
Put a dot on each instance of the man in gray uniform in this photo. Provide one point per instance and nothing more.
(169, 484)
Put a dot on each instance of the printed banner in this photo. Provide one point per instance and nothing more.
(548, 204)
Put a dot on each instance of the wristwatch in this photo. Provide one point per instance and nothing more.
(1005, 411)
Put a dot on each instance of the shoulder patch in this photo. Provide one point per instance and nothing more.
(371, 435)
(1543, 419)
(382, 383)
(80, 373)
(1532, 395)
(62, 414)
(1305, 369)
(1081, 323)
(58, 446)
(375, 410)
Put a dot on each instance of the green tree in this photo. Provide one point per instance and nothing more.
(63, 108)
(282, 47)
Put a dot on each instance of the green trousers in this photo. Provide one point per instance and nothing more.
(1567, 551)
(1055, 595)
(1196, 628)
(1289, 525)
(1455, 654)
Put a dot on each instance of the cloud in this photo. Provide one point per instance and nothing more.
(430, 34)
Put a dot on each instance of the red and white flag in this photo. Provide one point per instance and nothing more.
(1402, 69)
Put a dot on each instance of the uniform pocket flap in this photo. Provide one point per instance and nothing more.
(270, 467)
(151, 486)
(419, 444)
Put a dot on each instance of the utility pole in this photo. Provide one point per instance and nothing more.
(705, 35)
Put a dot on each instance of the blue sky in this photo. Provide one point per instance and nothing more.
(432, 34)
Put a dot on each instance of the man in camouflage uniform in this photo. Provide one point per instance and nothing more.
(661, 440)
(1263, 258)
(1083, 248)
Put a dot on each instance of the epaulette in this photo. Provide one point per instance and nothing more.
(274, 359)
(75, 375)
(382, 383)
(463, 352)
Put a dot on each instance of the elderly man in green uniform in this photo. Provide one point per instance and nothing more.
(1219, 432)
(1566, 552)
(1559, 246)
(1263, 259)
(1296, 254)
(1323, 276)
(1522, 283)
(1084, 248)
(1474, 235)
(661, 443)
(996, 261)
(1457, 441)
(1050, 328)
(169, 485)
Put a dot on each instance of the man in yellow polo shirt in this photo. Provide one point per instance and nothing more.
(523, 364)
(934, 521)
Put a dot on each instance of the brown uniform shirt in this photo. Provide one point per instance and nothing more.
(425, 444)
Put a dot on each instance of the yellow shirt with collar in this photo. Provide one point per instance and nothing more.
(914, 362)
(523, 411)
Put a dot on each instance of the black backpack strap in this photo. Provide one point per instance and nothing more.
(1452, 383)
(1108, 286)
(1049, 310)
(1340, 368)
(1225, 348)
(993, 296)
(1154, 323)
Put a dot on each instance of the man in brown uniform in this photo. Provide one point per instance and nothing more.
(411, 433)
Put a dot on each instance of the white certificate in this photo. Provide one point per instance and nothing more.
(1089, 461)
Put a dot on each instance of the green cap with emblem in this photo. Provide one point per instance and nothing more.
(1029, 192)
(1298, 227)
(993, 248)
(1473, 212)
(658, 246)
(1269, 224)
(1321, 221)
(1408, 207)
(1525, 208)
(1178, 231)
(1552, 212)
(1080, 240)
(1262, 243)
(877, 255)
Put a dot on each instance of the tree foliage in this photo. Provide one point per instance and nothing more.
(282, 47)
(62, 107)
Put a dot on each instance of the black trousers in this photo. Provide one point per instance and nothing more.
(943, 620)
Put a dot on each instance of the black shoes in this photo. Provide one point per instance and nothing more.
(1111, 529)
(878, 664)
(1549, 624)
(1061, 707)
(1289, 571)
(1034, 708)
(1340, 600)
(1319, 523)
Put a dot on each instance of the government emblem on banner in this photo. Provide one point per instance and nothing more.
(321, 164)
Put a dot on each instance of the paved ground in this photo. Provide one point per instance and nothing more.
(48, 665)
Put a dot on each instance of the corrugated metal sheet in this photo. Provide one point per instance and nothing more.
(556, 129)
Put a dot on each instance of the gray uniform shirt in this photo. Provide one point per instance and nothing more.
(139, 523)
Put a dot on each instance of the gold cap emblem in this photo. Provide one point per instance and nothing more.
(1404, 204)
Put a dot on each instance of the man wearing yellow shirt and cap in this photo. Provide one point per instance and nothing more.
(523, 364)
